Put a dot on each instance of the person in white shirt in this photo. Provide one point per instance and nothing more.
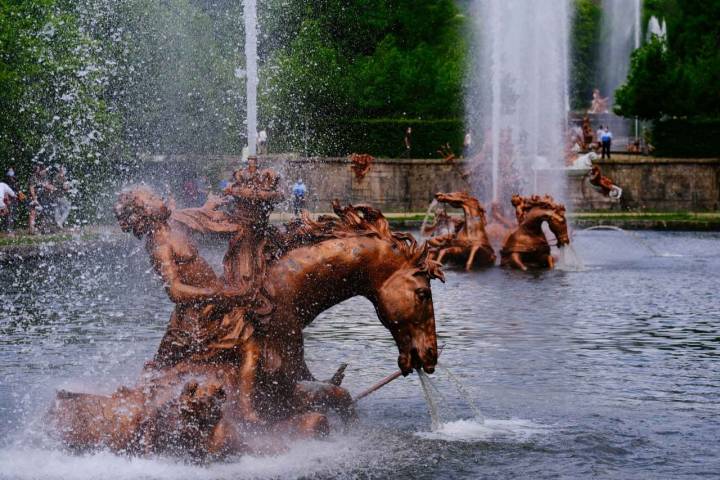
(262, 141)
(6, 196)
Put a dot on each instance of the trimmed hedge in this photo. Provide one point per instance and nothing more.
(687, 138)
(378, 137)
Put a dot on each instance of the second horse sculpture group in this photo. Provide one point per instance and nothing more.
(469, 242)
(230, 374)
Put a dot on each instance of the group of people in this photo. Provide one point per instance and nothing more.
(46, 200)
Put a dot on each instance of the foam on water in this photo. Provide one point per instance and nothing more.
(303, 459)
(474, 430)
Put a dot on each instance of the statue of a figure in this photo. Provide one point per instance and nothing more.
(361, 164)
(189, 281)
(604, 184)
(599, 104)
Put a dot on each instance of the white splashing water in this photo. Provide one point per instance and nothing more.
(435, 420)
(473, 430)
(305, 459)
(569, 260)
(518, 97)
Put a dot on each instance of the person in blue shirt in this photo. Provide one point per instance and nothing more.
(606, 139)
(299, 191)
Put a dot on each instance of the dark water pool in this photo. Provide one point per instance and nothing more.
(611, 372)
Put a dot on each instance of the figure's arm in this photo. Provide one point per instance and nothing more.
(177, 290)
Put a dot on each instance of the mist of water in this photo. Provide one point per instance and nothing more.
(621, 35)
(518, 95)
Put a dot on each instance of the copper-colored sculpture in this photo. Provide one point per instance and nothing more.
(361, 164)
(603, 184)
(231, 365)
(527, 246)
(468, 244)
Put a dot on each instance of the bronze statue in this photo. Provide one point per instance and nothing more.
(527, 247)
(468, 244)
(361, 164)
(194, 403)
(603, 184)
(207, 311)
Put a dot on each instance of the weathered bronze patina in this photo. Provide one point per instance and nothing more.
(527, 246)
(467, 244)
(231, 366)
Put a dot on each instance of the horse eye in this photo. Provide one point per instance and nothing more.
(422, 293)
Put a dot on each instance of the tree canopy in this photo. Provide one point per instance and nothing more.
(680, 77)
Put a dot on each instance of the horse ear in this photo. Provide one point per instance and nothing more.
(435, 270)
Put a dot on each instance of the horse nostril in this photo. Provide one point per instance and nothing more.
(415, 357)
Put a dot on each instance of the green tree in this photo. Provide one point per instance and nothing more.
(328, 63)
(679, 78)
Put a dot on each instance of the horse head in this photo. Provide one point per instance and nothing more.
(405, 307)
(537, 209)
(470, 205)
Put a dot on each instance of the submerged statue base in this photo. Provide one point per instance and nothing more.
(230, 372)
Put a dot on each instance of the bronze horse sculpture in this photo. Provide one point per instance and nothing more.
(209, 397)
(527, 247)
(468, 245)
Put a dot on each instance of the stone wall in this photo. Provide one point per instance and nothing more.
(408, 185)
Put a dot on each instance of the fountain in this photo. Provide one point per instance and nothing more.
(231, 366)
(250, 15)
(519, 94)
(621, 35)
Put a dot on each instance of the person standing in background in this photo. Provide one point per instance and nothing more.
(299, 191)
(606, 142)
(407, 142)
(262, 142)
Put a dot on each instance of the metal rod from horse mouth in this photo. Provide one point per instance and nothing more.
(378, 386)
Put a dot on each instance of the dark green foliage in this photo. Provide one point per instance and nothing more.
(52, 82)
(584, 44)
(336, 60)
(680, 78)
(687, 138)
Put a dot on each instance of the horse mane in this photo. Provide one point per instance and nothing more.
(546, 202)
(357, 221)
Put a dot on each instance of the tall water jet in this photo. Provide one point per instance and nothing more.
(250, 13)
(621, 30)
(518, 95)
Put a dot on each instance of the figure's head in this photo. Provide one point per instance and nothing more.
(404, 305)
(252, 164)
(139, 210)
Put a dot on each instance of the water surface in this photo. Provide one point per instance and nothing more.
(612, 372)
